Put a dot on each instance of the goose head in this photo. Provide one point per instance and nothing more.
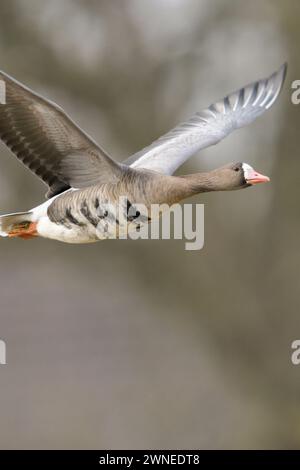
(238, 176)
(226, 178)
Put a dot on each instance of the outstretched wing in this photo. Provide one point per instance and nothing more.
(48, 142)
(209, 126)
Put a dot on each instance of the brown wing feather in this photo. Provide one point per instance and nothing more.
(49, 143)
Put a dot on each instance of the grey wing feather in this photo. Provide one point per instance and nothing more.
(210, 126)
(48, 142)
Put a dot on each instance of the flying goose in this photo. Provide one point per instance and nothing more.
(83, 180)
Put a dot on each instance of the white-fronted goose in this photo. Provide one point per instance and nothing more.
(83, 179)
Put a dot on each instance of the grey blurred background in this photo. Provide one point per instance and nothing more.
(141, 344)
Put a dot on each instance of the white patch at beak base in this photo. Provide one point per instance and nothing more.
(253, 177)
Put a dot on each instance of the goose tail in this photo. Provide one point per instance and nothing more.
(19, 224)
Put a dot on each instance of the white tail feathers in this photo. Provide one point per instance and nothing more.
(8, 221)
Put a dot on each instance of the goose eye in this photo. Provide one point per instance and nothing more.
(236, 169)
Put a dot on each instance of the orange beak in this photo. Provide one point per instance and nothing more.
(254, 177)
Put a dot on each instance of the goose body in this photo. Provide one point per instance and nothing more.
(90, 196)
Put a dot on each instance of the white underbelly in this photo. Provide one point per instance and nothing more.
(86, 234)
(48, 229)
(82, 229)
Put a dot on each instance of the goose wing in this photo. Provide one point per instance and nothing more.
(48, 142)
(209, 126)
